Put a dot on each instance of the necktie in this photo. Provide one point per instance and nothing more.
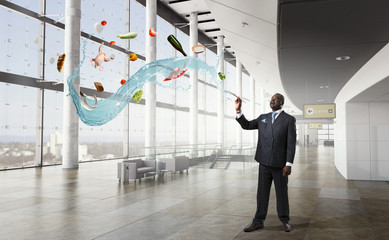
(273, 116)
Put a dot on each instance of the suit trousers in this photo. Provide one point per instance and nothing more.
(265, 178)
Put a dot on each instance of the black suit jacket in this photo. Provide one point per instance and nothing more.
(276, 142)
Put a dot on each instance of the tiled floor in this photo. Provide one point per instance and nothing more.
(89, 203)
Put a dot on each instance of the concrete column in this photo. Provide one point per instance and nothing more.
(238, 91)
(220, 94)
(174, 98)
(263, 101)
(150, 88)
(204, 140)
(72, 50)
(193, 95)
(126, 110)
(252, 108)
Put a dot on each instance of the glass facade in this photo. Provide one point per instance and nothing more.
(18, 125)
(31, 123)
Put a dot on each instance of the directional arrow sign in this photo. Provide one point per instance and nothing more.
(319, 111)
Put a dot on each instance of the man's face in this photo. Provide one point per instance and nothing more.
(276, 102)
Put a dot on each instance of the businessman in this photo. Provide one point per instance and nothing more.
(275, 153)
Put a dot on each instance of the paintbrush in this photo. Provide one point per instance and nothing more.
(233, 94)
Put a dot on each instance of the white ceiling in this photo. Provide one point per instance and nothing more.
(290, 46)
(250, 29)
(254, 43)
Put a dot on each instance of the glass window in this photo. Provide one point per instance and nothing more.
(137, 128)
(165, 92)
(164, 48)
(320, 131)
(229, 84)
(55, 44)
(138, 25)
(230, 127)
(57, 7)
(230, 80)
(211, 60)
(211, 99)
(202, 56)
(201, 129)
(246, 86)
(20, 52)
(112, 72)
(17, 125)
(182, 137)
(101, 142)
(184, 40)
(115, 16)
(53, 127)
(32, 5)
(201, 96)
(182, 99)
(211, 129)
(165, 127)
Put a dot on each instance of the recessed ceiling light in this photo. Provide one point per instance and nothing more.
(320, 100)
(321, 87)
(343, 58)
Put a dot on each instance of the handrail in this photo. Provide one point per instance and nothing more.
(228, 153)
(216, 153)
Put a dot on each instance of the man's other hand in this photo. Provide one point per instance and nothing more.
(287, 170)
(238, 104)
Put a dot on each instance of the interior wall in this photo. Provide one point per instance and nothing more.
(312, 134)
(367, 130)
(340, 144)
(379, 140)
(358, 141)
(360, 148)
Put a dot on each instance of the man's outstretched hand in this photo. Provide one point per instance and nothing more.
(287, 170)
(238, 104)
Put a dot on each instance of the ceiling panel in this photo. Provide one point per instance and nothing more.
(254, 44)
(319, 57)
(188, 6)
(256, 30)
(313, 33)
(321, 23)
(265, 10)
(210, 25)
(376, 93)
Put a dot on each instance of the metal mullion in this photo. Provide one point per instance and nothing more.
(41, 93)
(53, 22)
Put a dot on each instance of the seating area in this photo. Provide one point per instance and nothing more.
(138, 168)
(174, 164)
(135, 169)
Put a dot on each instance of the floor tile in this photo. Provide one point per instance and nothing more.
(90, 203)
(339, 193)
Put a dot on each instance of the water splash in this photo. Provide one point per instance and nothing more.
(154, 72)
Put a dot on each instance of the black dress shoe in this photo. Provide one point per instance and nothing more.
(286, 226)
(253, 227)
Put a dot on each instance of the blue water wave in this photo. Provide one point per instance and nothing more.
(154, 72)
